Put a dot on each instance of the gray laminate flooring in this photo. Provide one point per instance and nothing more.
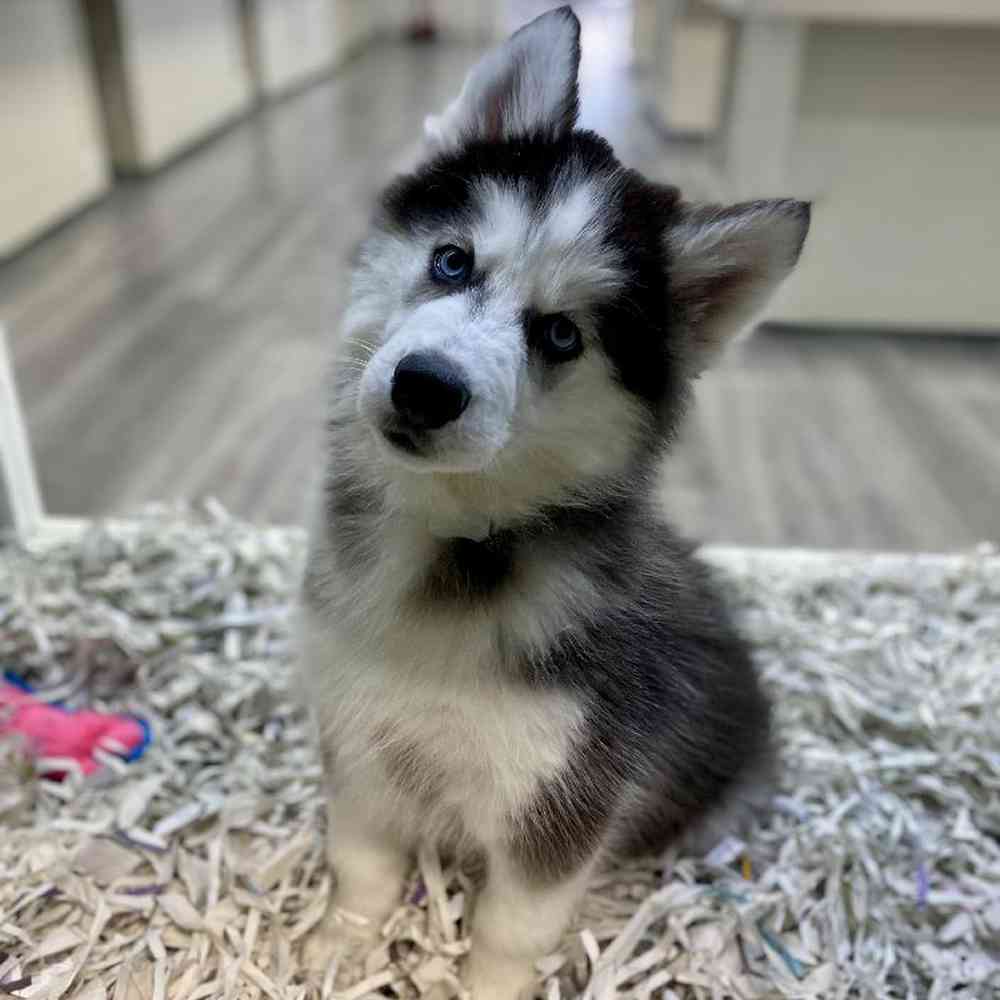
(170, 342)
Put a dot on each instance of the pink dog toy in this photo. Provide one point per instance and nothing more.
(55, 732)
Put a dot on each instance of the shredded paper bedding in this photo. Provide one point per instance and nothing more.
(198, 870)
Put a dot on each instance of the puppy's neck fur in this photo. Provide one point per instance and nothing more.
(455, 544)
(526, 494)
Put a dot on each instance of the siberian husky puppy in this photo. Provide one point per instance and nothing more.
(508, 650)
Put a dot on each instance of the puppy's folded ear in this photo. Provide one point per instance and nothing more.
(726, 263)
(525, 87)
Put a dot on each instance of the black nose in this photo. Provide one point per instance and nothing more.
(428, 391)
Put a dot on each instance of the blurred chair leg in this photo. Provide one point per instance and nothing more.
(20, 500)
(762, 105)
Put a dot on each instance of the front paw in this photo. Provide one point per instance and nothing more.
(495, 977)
(342, 940)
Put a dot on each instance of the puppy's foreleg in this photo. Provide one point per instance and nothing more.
(517, 920)
(369, 867)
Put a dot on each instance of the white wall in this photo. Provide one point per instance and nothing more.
(186, 63)
(52, 159)
(898, 136)
(299, 40)
(295, 42)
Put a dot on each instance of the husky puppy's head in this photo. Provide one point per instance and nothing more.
(527, 312)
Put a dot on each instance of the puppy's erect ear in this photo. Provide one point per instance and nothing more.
(725, 263)
(527, 86)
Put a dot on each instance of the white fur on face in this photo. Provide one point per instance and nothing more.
(488, 350)
(550, 425)
(556, 264)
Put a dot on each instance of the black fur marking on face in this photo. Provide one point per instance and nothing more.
(636, 325)
(443, 191)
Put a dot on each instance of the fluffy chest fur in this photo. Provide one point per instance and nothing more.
(422, 723)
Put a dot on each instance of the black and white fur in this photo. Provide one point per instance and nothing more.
(508, 650)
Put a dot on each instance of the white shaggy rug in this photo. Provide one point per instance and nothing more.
(196, 872)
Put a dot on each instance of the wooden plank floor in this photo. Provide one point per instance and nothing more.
(170, 342)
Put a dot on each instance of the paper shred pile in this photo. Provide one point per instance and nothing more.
(197, 872)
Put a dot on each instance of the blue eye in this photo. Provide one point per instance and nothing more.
(451, 265)
(559, 338)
